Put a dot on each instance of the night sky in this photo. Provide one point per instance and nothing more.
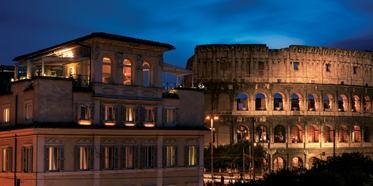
(27, 26)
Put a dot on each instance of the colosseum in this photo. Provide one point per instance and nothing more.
(295, 99)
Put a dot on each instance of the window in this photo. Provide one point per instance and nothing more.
(130, 157)
(28, 111)
(327, 66)
(109, 114)
(6, 114)
(149, 114)
(109, 157)
(146, 74)
(84, 157)
(192, 155)
(128, 114)
(26, 159)
(126, 72)
(170, 156)
(106, 70)
(296, 65)
(54, 158)
(148, 156)
(355, 70)
(171, 115)
(6, 159)
(278, 80)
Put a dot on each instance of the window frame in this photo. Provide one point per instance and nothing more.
(26, 158)
(59, 161)
(111, 69)
(28, 113)
(166, 115)
(127, 66)
(89, 113)
(124, 156)
(195, 154)
(170, 155)
(6, 159)
(105, 158)
(5, 115)
(104, 113)
(149, 156)
(146, 69)
(295, 65)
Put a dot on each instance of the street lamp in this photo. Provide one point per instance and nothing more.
(208, 117)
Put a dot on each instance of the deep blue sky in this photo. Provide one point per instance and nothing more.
(27, 26)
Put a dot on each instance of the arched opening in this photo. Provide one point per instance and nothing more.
(343, 134)
(328, 102)
(242, 102)
(127, 72)
(295, 101)
(296, 134)
(106, 70)
(146, 74)
(366, 134)
(278, 102)
(328, 134)
(356, 134)
(297, 163)
(260, 102)
(313, 134)
(311, 161)
(261, 134)
(243, 133)
(356, 103)
(367, 103)
(280, 134)
(278, 164)
(313, 102)
(342, 103)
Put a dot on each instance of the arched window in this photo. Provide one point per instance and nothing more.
(127, 72)
(280, 134)
(367, 103)
(242, 102)
(243, 133)
(106, 70)
(328, 134)
(297, 163)
(342, 103)
(366, 134)
(327, 102)
(278, 102)
(356, 134)
(343, 134)
(260, 102)
(295, 102)
(146, 74)
(296, 134)
(313, 134)
(311, 161)
(355, 103)
(278, 164)
(261, 134)
(312, 103)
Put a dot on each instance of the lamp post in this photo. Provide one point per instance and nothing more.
(242, 131)
(212, 144)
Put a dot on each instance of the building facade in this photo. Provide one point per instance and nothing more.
(297, 102)
(92, 111)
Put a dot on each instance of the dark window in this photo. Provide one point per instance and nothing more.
(355, 70)
(328, 67)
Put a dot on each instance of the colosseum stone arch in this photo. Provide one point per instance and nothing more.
(306, 94)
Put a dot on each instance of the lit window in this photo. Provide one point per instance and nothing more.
(192, 155)
(170, 115)
(170, 156)
(6, 115)
(106, 70)
(130, 113)
(109, 156)
(83, 158)
(126, 72)
(26, 159)
(109, 116)
(28, 111)
(146, 74)
(129, 157)
(54, 158)
(84, 112)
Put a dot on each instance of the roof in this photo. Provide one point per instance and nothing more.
(99, 35)
(96, 126)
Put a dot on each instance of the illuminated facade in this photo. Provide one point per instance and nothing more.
(298, 99)
(92, 111)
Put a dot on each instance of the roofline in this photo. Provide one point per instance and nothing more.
(93, 35)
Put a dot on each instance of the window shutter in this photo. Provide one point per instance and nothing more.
(91, 156)
(186, 155)
(116, 117)
(102, 113)
(62, 157)
(77, 157)
(30, 159)
(23, 159)
(9, 159)
(197, 154)
(176, 155)
(136, 157)
(92, 108)
(143, 114)
(123, 113)
(116, 157)
(176, 116)
(80, 112)
(123, 157)
(102, 157)
(143, 156)
(155, 156)
(164, 115)
(137, 114)
(46, 158)
(155, 115)
(164, 156)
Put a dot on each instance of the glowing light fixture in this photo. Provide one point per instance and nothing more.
(149, 125)
(109, 123)
(129, 124)
(85, 122)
